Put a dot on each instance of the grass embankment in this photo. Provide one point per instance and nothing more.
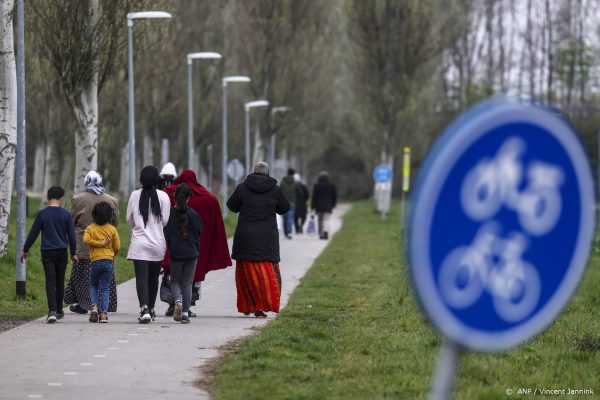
(35, 305)
(352, 330)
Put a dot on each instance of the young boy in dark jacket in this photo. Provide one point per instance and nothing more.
(58, 234)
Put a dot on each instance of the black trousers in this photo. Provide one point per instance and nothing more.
(55, 265)
(299, 220)
(146, 281)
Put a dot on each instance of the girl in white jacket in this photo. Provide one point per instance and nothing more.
(147, 213)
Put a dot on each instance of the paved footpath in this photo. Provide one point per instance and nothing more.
(74, 359)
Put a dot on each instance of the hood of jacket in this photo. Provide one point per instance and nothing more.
(288, 179)
(260, 183)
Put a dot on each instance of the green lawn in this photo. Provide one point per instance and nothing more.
(352, 330)
(35, 305)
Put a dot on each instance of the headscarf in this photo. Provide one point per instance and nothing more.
(297, 177)
(168, 169)
(189, 177)
(149, 179)
(93, 183)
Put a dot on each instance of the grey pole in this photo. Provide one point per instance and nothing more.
(209, 151)
(272, 155)
(224, 166)
(131, 106)
(21, 276)
(247, 139)
(190, 118)
(445, 373)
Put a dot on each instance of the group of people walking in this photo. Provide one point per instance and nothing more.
(176, 226)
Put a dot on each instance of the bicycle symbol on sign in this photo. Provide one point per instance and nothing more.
(492, 262)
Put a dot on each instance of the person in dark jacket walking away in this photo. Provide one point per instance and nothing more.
(302, 196)
(183, 240)
(256, 242)
(289, 189)
(58, 234)
(324, 199)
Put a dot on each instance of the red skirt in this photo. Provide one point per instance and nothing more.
(258, 286)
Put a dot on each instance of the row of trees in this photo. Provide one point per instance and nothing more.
(363, 78)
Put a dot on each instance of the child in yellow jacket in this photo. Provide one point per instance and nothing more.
(104, 242)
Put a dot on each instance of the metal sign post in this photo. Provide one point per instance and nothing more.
(405, 183)
(382, 174)
(506, 189)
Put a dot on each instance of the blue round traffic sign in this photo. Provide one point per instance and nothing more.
(502, 223)
(382, 173)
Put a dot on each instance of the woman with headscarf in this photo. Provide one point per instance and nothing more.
(77, 291)
(213, 242)
(147, 214)
(256, 242)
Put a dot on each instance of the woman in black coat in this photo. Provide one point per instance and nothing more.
(256, 242)
(324, 199)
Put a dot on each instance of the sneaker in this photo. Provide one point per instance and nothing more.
(145, 316)
(103, 318)
(260, 314)
(51, 318)
(60, 314)
(94, 315)
(191, 314)
(152, 314)
(76, 308)
(170, 310)
(178, 311)
(185, 319)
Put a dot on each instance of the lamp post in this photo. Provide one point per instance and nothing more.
(226, 80)
(190, 59)
(274, 111)
(130, 96)
(247, 107)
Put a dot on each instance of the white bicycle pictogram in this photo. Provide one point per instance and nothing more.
(493, 264)
(498, 182)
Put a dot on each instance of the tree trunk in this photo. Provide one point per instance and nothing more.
(259, 149)
(8, 117)
(85, 106)
(51, 171)
(38, 169)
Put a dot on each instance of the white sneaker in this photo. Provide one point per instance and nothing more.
(145, 316)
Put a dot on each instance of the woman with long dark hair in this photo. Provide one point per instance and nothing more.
(147, 214)
(183, 238)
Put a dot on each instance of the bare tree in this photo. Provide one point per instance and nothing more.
(8, 117)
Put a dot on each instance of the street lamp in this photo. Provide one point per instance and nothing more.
(226, 80)
(131, 102)
(190, 59)
(274, 111)
(247, 107)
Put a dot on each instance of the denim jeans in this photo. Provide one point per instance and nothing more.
(182, 279)
(100, 277)
(288, 222)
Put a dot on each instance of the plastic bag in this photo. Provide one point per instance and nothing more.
(311, 228)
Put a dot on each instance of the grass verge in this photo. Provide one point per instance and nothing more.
(352, 330)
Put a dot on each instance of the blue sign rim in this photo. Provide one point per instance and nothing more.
(469, 127)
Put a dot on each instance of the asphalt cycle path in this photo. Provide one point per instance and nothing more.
(76, 359)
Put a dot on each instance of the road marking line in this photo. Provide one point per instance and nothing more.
(132, 334)
(35, 396)
(122, 341)
(112, 348)
(99, 355)
(54, 384)
(86, 364)
(71, 373)
(141, 329)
